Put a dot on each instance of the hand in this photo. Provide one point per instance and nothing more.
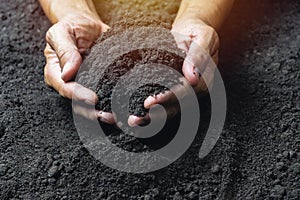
(201, 43)
(66, 41)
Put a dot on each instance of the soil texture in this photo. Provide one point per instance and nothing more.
(257, 156)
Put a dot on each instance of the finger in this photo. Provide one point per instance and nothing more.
(106, 117)
(205, 44)
(91, 113)
(195, 63)
(61, 38)
(86, 112)
(52, 71)
(154, 114)
(183, 41)
(205, 83)
(105, 28)
(77, 92)
(135, 120)
(171, 96)
(204, 69)
(161, 98)
(70, 90)
(84, 45)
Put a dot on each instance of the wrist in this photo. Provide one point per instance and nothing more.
(191, 10)
(211, 13)
(60, 9)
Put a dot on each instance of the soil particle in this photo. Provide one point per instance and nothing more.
(295, 194)
(57, 156)
(292, 154)
(177, 196)
(32, 8)
(192, 195)
(285, 154)
(277, 192)
(51, 181)
(49, 161)
(154, 192)
(2, 130)
(276, 182)
(56, 163)
(3, 169)
(216, 169)
(295, 169)
(279, 156)
(281, 166)
(3, 17)
(271, 175)
(53, 171)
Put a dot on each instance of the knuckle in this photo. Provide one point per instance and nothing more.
(212, 39)
(214, 35)
(77, 27)
(61, 52)
(209, 30)
(50, 32)
(97, 26)
(48, 35)
(47, 50)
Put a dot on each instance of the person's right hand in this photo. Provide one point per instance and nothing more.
(66, 41)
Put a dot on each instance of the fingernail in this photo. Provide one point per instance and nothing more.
(99, 115)
(131, 121)
(197, 72)
(149, 101)
(196, 75)
(102, 119)
(190, 67)
(120, 125)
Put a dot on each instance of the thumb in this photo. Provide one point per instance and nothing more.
(62, 39)
(71, 67)
(195, 63)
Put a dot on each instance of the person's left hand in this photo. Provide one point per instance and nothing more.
(201, 44)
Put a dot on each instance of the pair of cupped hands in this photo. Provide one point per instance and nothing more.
(74, 34)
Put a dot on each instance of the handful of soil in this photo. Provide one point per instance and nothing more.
(118, 51)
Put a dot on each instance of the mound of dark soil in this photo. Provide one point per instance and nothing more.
(153, 53)
(118, 52)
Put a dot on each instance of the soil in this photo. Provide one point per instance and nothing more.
(257, 156)
(102, 71)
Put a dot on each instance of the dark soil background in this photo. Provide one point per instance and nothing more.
(257, 156)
